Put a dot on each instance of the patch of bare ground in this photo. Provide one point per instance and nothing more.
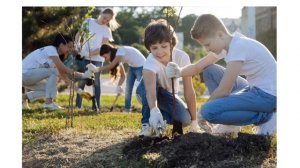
(77, 149)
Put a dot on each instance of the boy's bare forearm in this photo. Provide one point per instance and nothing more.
(190, 96)
(189, 70)
(197, 68)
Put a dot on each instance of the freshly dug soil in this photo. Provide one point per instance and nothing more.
(203, 150)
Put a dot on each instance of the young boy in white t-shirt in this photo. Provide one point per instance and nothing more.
(233, 101)
(155, 90)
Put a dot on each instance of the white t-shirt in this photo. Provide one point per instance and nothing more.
(152, 64)
(259, 66)
(131, 56)
(39, 57)
(100, 32)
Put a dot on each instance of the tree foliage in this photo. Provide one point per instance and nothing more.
(269, 39)
(41, 24)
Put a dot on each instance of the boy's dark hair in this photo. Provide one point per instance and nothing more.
(159, 31)
(60, 38)
(107, 48)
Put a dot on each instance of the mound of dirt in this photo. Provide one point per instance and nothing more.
(202, 150)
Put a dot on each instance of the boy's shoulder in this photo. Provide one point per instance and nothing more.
(241, 42)
(180, 57)
(178, 52)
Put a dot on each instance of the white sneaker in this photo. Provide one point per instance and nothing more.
(25, 105)
(52, 106)
(225, 129)
(146, 131)
(267, 128)
(205, 126)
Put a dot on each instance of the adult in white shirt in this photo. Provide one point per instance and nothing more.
(117, 56)
(155, 90)
(95, 32)
(233, 101)
(41, 68)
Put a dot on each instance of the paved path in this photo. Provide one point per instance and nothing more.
(108, 87)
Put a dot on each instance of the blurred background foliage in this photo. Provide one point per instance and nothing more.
(41, 24)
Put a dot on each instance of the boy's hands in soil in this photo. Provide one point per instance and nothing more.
(156, 119)
(194, 127)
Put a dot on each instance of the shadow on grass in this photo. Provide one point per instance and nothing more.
(110, 156)
(202, 150)
(189, 150)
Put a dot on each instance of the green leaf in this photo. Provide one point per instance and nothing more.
(170, 11)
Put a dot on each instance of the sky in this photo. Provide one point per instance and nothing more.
(219, 11)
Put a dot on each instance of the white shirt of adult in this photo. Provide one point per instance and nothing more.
(39, 57)
(131, 56)
(259, 66)
(178, 56)
(98, 33)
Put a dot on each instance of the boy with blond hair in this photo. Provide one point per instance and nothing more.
(234, 101)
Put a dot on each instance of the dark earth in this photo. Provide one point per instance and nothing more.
(204, 150)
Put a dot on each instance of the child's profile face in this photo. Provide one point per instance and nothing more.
(213, 44)
(161, 51)
(106, 56)
(105, 18)
(65, 49)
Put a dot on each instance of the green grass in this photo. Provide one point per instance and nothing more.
(38, 121)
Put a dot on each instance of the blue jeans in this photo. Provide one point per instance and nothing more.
(165, 104)
(97, 88)
(134, 73)
(245, 105)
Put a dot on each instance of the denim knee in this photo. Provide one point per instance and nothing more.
(207, 113)
(140, 93)
(186, 122)
(206, 72)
